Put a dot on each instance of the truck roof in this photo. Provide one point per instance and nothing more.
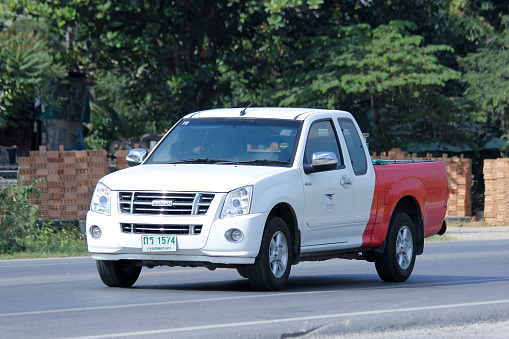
(289, 113)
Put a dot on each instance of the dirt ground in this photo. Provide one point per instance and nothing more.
(466, 232)
(480, 330)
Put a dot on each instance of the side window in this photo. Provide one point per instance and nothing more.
(322, 138)
(354, 145)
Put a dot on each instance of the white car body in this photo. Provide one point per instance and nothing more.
(271, 186)
(334, 212)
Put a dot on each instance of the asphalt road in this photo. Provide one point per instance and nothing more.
(453, 284)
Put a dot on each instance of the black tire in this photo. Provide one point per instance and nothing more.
(122, 273)
(273, 263)
(242, 271)
(398, 259)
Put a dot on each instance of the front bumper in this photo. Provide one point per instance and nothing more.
(208, 247)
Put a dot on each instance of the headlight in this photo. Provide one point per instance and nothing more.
(101, 199)
(238, 202)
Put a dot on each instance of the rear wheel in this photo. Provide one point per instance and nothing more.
(121, 273)
(272, 265)
(398, 259)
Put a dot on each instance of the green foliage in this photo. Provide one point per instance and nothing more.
(167, 54)
(393, 63)
(20, 230)
(390, 58)
(114, 114)
(390, 68)
(27, 69)
(48, 240)
(17, 216)
(385, 72)
(487, 76)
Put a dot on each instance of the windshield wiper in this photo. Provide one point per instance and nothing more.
(198, 161)
(256, 162)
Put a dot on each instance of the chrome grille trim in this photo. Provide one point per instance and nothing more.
(164, 203)
(161, 229)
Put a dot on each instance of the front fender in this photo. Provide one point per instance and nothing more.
(265, 197)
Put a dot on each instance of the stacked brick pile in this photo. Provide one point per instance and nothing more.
(398, 154)
(121, 160)
(460, 183)
(459, 171)
(395, 153)
(496, 196)
(69, 179)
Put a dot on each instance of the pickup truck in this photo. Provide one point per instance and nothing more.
(260, 190)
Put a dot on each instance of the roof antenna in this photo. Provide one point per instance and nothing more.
(243, 112)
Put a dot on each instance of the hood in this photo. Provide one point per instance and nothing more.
(187, 177)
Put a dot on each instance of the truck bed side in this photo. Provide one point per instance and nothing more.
(419, 185)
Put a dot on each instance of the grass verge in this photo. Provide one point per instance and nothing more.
(437, 237)
(477, 223)
(48, 242)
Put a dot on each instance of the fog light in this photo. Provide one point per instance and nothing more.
(95, 232)
(234, 235)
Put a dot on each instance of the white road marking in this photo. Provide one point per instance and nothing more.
(285, 320)
(162, 303)
(262, 295)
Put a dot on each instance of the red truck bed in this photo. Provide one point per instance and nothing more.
(422, 182)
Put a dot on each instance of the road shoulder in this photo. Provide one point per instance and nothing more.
(478, 232)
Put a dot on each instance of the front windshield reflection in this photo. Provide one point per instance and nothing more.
(206, 140)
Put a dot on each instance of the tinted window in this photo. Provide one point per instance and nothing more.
(354, 145)
(229, 140)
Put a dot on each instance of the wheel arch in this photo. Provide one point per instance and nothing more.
(409, 196)
(409, 205)
(287, 213)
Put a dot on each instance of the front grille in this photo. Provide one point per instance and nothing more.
(164, 203)
(161, 229)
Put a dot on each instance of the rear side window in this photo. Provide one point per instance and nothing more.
(354, 145)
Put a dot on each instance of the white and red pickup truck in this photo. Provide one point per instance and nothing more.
(259, 190)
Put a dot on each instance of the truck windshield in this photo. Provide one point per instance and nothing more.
(268, 142)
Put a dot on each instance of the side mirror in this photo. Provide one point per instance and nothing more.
(322, 161)
(136, 156)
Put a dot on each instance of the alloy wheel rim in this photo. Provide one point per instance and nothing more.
(404, 247)
(278, 254)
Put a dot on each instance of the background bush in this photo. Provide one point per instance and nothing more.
(17, 215)
(47, 239)
(22, 231)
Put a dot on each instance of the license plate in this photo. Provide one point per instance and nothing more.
(158, 243)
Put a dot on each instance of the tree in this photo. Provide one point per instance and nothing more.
(386, 69)
(487, 76)
(392, 66)
(153, 61)
(27, 70)
(171, 50)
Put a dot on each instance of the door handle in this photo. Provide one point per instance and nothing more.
(345, 182)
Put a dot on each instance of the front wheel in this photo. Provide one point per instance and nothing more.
(121, 273)
(272, 265)
(242, 271)
(398, 259)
